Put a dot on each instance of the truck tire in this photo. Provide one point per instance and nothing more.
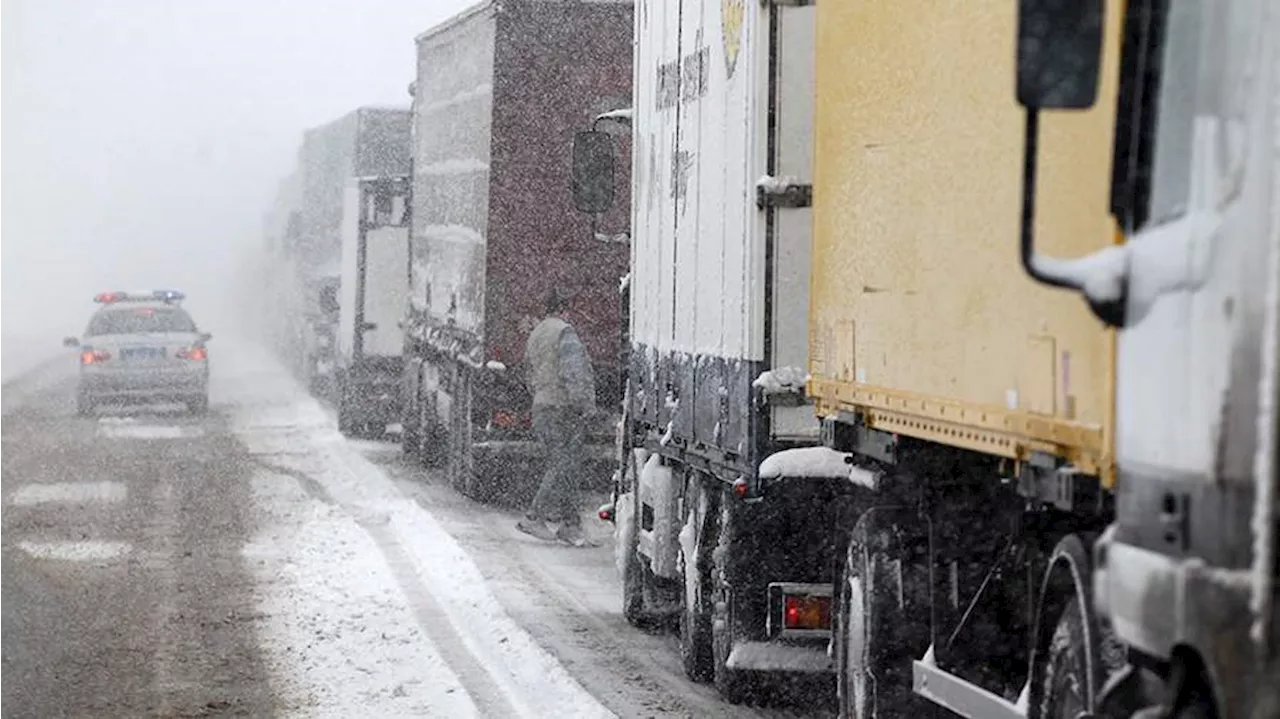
(410, 433)
(346, 414)
(733, 685)
(1074, 654)
(877, 636)
(635, 577)
(84, 404)
(1065, 668)
(199, 405)
(461, 458)
(432, 447)
(695, 614)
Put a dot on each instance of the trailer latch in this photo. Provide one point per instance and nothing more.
(782, 192)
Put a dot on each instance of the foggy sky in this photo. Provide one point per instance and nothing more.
(144, 139)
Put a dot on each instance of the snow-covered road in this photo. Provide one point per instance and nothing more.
(255, 561)
(504, 625)
(372, 606)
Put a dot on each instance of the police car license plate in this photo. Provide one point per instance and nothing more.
(141, 353)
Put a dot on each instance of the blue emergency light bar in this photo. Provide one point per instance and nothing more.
(169, 296)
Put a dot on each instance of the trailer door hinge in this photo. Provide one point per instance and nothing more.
(781, 193)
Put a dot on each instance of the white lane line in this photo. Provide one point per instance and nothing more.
(86, 551)
(145, 431)
(68, 492)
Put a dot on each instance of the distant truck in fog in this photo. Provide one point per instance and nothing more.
(366, 142)
(371, 300)
(500, 90)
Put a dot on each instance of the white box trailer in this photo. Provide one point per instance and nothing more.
(722, 152)
(373, 291)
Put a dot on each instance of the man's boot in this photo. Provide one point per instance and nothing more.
(536, 528)
(572, 535)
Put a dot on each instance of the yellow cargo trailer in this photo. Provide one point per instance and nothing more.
(1064, 508)
(936, 362)
(922, 322)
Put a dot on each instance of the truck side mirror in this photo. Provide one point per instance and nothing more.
(593, 166)
(1059, 53)
(1059, 58)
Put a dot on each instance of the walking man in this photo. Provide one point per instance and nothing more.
(562, 383)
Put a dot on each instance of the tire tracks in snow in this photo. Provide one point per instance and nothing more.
(480, 685)
(656, 683)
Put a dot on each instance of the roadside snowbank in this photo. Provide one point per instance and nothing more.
(398, 541)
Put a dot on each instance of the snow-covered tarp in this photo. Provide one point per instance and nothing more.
(816, 463)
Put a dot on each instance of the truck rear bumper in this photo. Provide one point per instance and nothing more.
(806, 658)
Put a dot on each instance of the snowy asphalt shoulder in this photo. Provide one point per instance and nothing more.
(256, 562)
(381, 611)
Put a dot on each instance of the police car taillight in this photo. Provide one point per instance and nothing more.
(195, 354)
(90, 356)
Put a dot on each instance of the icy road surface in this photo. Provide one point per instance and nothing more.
(255, 562)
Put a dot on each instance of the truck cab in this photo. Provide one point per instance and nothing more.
(1186, 573)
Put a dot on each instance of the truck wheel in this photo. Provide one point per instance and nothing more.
(877, 636)
(733, 685)
(84, 404)
(461, 462)
(1072, 663)
(199, 405)
(1064, 678)
(695, 617)
(634, 576)
(410, 438)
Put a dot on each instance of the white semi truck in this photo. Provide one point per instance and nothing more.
(721, 152)
(373, 292)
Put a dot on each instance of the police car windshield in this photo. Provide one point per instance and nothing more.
(137, 320)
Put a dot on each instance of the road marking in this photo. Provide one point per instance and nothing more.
(69, 492)
(86, 551)
(147, 431)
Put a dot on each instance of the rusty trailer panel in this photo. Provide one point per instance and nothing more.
(500, 91)
(922, 319)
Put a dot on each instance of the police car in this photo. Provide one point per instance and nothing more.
(142, 347)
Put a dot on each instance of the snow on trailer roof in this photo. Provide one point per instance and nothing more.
(454, 21)
(392, 176)
(816, 463)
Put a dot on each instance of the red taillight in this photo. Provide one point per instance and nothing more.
(605, 512)
(804, 611)
(94, 356)
(193, 353)
(503, 419)
(740, 487)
